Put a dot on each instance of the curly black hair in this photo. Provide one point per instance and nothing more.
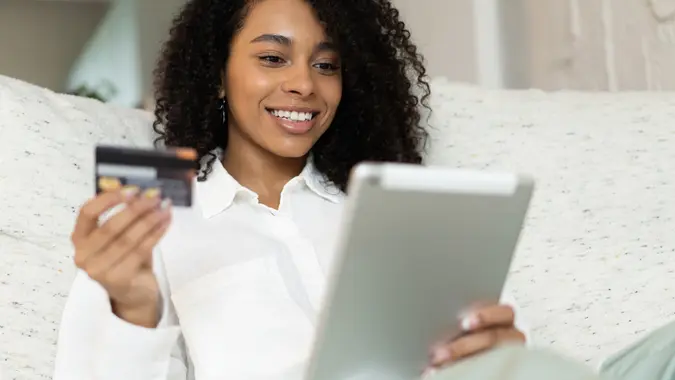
(378, 118)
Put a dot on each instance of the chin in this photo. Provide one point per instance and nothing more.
(292, 150)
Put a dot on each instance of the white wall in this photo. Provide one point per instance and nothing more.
(444, 32)
(602, 44)
(113, 55)
(549, 44)
(124, 49)
(154, 30)
(40, 40)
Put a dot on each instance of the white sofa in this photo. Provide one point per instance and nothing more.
(594, 268)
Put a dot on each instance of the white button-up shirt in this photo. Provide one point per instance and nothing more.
(241, 284)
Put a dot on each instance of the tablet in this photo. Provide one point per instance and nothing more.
(417, 246)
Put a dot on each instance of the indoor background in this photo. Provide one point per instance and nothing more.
(107, 48)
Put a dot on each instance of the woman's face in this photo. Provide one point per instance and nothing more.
(283, 81)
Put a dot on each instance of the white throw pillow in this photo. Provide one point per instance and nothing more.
(46, 172)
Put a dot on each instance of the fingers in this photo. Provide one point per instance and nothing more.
(87, 219)
(134, 235)
(130, 263)
(139, 238)
(474, 343)
(483, 328)
(101, 237)
(488, 317)
(148, 244)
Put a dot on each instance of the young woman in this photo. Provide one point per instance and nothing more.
(280, 98)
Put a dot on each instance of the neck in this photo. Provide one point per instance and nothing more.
(260, 171)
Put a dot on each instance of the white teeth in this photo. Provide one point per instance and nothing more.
(294, 115)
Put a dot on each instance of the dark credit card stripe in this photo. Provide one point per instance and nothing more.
(142, 157)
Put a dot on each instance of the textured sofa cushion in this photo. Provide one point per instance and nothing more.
(594, 269)
(46, 171)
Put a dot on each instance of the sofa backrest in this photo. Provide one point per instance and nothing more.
(47, 143)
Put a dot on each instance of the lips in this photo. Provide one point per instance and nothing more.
(293, 115)
(294, 121)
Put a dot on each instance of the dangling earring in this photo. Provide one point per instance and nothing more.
(223, 109)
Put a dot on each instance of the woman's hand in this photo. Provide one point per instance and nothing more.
(118, 253)
(483, 329)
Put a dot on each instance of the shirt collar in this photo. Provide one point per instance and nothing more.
(217, 193)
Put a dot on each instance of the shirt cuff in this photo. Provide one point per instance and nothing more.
(130, 352)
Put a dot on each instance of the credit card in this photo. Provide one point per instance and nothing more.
(169, 172)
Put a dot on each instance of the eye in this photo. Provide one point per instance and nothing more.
(326, 67)
(271, 59)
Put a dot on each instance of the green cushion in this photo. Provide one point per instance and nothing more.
(651, 358)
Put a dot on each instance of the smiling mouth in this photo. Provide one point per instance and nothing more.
(293, 116)
(294, 122)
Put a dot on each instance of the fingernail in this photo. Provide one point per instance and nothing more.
(470, 322)
(129, 192)
(429, 372)
(151, 193)
(440, 356)
(166, 204)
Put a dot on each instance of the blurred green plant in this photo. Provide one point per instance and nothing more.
(103, 92)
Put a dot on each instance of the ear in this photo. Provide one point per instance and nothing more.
(222, 93)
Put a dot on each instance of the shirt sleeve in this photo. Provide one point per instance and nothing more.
(94, 343)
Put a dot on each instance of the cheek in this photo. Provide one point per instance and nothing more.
(333, 94)
(247, 89)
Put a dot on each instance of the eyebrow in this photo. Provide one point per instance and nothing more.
(276, 38)
(286, 41)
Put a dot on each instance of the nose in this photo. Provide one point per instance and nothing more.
(299, 81)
